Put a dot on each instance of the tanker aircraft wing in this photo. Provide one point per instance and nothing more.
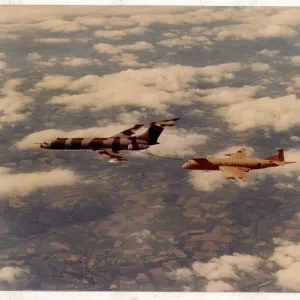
(128, 132)
(115, 157)
(236, 172)
(240, 154)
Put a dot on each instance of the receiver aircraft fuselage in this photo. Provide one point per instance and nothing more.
(237, 165)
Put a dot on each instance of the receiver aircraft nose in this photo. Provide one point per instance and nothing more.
(186, 165)
(44, 145)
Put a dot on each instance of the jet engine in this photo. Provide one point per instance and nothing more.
(137, 147)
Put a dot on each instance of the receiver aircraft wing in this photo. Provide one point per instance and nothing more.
(235, 172)
(240, 154)
(115, 157)
(128, 132)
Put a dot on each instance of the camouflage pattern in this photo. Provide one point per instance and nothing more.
(111, 146)
(237, 165)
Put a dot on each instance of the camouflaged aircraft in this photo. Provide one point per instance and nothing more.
(111, 147)
(237, 165)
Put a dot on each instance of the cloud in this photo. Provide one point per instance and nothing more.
(280, 114)
(247, 24)
(12, 103)
(217, 271)
(2, 65)
(80, 62)
(228, 95)
(155, 88)
(52, 40)
(105, 21)
(72, 62)
(281, 185)
(218, 286)
(269, 53)
(287, 257)
(226, 273)
(127, 60)
(143, 236)
(186, 40)
(181, 274)
(207, 181)
(178, 143)
(295, 60)
(295, 138)
(116, 49)
(260, 67)
(119, 34)
(34, 56)
(8, 36)
(22, 184)
(54, 82)
(11, 274)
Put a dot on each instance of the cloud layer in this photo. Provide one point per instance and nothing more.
(22, 184)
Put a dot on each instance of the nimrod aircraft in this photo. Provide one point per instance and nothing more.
(111, 147)
(237, 165)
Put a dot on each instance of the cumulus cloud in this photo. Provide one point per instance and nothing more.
(116, 49)
(287, 257)
(181, 274)
(2, 65)
(119, 34)
(280, 113)
(260, 67)
(224, 274)
(248, 24)
(73, 62)
(12, 103)
(295, 138)
(54, 82)
(52, 40)
(284, 186)
(127, 60)
(178, 143)
(186, 40)
(11, 274)
(156, 88)
(218, 286)
(80, 62)
(227, 267)
(207, 181)
(269, 53)
(34, 56)
(295, 60)
(22, 184)
(228, 95)
(218, 271)
(143, 236)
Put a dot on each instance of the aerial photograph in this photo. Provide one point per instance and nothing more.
(150, 148)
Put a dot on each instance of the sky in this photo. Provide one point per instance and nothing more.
(230, 74)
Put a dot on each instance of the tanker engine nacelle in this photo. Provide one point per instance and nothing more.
(137, 147)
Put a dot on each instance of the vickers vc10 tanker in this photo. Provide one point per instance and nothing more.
(111, 147)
